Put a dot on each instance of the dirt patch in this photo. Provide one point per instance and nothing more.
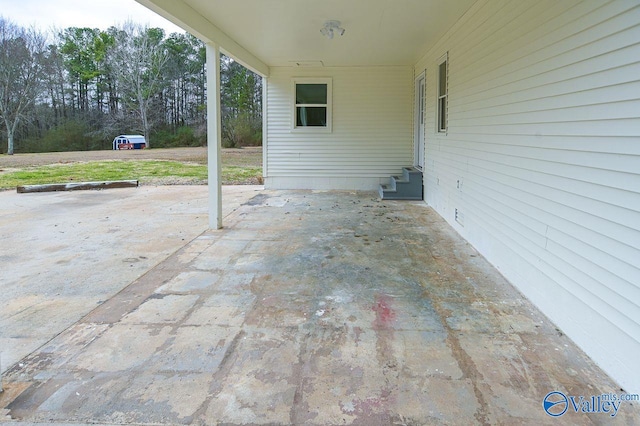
(238, 158)
(250, 156)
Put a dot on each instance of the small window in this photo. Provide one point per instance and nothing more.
(442, 95)
(312, 104)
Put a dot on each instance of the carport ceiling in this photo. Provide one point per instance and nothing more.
(279, 32)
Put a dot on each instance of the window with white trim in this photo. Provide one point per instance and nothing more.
(443, 89)
(312, 104)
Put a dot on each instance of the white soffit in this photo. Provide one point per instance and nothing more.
(279, 32)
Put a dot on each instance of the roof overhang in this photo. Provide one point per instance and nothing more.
(264, 33)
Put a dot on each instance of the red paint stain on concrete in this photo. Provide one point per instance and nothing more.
(373, 408)
(385, 316)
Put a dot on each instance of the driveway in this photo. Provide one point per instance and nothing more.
(308, 308)
(65, 253)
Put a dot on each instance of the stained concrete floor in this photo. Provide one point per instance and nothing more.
(313, 308)
(57, 248)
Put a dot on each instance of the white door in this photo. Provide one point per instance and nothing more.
(419, 120)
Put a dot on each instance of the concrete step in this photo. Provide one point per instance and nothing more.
(407, 187)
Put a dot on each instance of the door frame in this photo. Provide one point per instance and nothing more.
(419, 120)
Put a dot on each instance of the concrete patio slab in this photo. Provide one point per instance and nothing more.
(312, 308)
(63, 254)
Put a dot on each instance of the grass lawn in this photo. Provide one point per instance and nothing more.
(236, 169)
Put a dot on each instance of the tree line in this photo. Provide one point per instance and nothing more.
(77, 88)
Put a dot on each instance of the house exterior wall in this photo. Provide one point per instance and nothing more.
(542, 160)
(371, 137)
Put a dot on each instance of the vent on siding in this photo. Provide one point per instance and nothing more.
(459, 217)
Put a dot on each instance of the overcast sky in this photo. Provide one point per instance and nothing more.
(102, 14)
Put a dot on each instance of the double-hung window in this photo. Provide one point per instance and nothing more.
(312, 109)
(443, 89)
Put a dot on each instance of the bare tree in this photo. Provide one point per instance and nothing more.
(138, 60)
(21, 52)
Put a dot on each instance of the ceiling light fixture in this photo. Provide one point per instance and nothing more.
(330, 28)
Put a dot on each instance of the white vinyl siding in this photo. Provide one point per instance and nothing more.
(371, 136)
(542, 159)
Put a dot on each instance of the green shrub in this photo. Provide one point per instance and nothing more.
(72, 135)
(183, 136)
(241, 130)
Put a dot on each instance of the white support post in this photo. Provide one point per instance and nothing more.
(265, 142)
(214, 136)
